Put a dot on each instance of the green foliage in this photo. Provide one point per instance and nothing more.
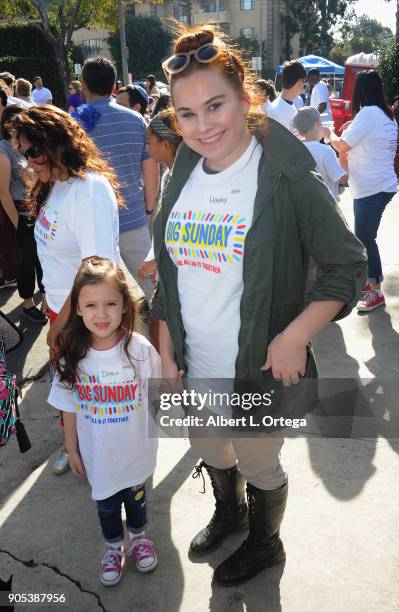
(148, 45)
(28, 67)
(249, 47)
(389, 68)
(21, 40)
(362, 35)
(313, 20)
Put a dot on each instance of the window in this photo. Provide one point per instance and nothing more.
(180, 13)
(92, 48)
(247, 5)
(210, 6)
(248, 32)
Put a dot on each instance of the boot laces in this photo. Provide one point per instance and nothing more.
(198, 472)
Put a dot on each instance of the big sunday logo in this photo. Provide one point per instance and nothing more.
(106, 403)
(205, 240)
(44, 229)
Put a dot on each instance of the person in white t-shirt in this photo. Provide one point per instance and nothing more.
(41, 94)
(307, 122)
(320, 96)
(240, 213)
(370, 142)
(283, 108)
(101, 386)
(75, 198)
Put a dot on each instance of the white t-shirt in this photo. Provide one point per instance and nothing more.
(373, 139)
(13, 100)
(41, 96)
(79, 219)
(205, 236)
(110, 400)
(298, 102)
(283, 112)
(319, 95)
(327, 165)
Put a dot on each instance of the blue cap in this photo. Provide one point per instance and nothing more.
(140, 90)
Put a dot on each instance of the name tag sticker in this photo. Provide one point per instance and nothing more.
(110, 375)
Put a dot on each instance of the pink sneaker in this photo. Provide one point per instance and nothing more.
(143, 554)
(111, 566)
(370, 301)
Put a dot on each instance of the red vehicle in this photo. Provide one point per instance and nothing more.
(341, 109)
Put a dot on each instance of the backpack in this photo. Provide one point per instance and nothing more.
(10, 338)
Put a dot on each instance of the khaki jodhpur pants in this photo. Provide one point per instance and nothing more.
(257, 458)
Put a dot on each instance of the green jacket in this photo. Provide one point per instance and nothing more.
(294, 217)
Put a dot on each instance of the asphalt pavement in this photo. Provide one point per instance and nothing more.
(341, 527)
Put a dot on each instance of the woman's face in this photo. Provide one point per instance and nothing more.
(40, 164)
(211, 117)
(72, 90)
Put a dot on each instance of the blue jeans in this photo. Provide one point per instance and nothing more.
(110, 513)
(368, 212)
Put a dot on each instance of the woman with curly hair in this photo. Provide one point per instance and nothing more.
(75, 197)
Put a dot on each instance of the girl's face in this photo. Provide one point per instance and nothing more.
(211, 117)
(157, 148)
(261, 93)
(101, 308)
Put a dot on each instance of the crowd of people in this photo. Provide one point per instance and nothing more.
(246, 199)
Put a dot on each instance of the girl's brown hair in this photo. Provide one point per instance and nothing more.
(230, 64)
(54, 131)
(73, 341)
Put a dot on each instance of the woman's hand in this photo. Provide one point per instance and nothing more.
(344, 126)
(52, 337)
(171, 377)
(286, 356)
(76, 463)
(148, 269)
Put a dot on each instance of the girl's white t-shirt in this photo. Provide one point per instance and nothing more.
(79, 219)
(373, 138)
(110, 400)
(205, 236)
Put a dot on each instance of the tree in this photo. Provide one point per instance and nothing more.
(364, 34)
(249, 47)
(313, 21)
(59, 19)
(148, 45)
(397, 20)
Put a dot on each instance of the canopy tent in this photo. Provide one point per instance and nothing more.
(313, 61)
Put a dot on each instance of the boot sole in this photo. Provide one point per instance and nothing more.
(244, 580)
(200, 553)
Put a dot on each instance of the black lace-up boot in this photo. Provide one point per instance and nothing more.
(263, 547)
(231, 512)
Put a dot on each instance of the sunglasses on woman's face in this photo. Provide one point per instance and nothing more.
(32, 153)
(204, 55)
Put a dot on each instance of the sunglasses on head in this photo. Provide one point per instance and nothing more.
(32, 152)
(204, 55)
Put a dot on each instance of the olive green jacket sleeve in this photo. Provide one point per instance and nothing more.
(325, 236)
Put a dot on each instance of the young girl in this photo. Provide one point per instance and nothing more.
(101, 386)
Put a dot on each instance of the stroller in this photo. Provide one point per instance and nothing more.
(10, 422)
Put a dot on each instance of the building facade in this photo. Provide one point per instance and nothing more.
(256, 19)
